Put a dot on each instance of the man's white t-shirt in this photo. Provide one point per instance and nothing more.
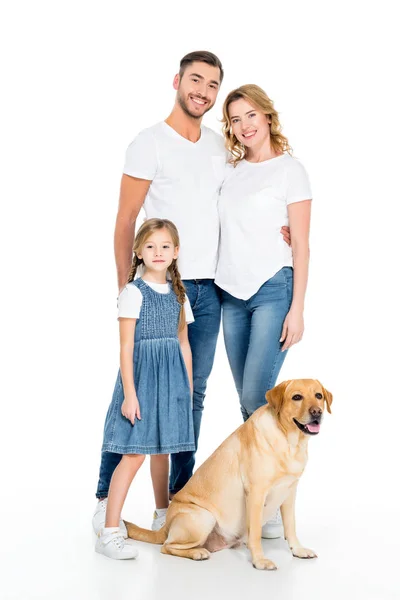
(185, 182)
(130, 300)
(253, 208)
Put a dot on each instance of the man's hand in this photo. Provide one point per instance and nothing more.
(285, 231)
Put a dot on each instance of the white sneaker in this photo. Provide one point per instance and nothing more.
(273, 528)
(114, 545)
(99, 519)
(158, 521)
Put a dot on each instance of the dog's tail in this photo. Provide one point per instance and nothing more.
(146, 535)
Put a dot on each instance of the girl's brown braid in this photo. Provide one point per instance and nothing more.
(135, 264)
(179, 291)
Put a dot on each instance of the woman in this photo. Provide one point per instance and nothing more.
(263, 280)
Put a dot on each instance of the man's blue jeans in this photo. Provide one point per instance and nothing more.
(204, 298)
(252, 329)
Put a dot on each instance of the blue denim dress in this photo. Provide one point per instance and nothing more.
(161, 382)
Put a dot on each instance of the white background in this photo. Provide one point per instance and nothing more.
(80, 79)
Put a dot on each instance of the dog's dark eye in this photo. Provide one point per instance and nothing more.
(297, 397)
(319, 396)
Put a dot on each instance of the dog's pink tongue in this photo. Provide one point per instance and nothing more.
(313, 427)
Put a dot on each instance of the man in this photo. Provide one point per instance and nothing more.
(175, 170)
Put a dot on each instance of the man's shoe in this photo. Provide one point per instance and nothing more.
(158, 520)
(273, 528)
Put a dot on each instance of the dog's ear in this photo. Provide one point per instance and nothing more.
(327, 396)
(276, 396)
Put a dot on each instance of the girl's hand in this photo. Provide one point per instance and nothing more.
(293, 329)
(130, 408)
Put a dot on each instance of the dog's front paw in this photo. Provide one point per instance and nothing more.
(303, 553)
(200, 554)
(264, 564)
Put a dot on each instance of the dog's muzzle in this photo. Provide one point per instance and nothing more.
(311, 428)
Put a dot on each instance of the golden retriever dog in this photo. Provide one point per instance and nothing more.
(248, 477)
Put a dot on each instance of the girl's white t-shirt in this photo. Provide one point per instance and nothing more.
(130, 300)
(185, 181)
(252, 208)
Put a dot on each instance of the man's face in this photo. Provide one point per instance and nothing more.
(197, 89)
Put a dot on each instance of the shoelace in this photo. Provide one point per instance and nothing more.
(102, 505)
(157, 517)
(116, 537)
(276, 519)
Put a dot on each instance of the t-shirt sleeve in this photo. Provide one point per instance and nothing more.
(129, 302)
(141, 157)
(188, 311)
(298, 184)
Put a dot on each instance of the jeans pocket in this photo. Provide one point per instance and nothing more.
(279, 279)
(288, 273)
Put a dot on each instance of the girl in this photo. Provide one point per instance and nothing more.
(151, 408)
(263, 279)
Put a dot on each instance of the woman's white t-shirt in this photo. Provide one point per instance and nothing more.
(130, 300)
(252, 208)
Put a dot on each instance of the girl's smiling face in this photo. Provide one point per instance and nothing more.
(158, 251)
(250, 126)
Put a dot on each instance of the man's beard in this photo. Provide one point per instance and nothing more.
(186, 110)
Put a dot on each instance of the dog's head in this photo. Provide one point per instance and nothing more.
(300, 403)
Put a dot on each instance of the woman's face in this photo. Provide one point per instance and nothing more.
(249, 125)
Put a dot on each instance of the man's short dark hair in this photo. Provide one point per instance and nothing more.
(201, 56)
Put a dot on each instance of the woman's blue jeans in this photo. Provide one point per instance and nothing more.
(252, 329)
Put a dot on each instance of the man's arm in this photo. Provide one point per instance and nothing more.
(132, 195)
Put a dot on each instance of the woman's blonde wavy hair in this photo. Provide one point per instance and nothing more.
(141, 237)
(259, 99)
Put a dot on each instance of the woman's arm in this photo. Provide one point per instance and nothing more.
(187, 354)
(130, 407)
(299, 222)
